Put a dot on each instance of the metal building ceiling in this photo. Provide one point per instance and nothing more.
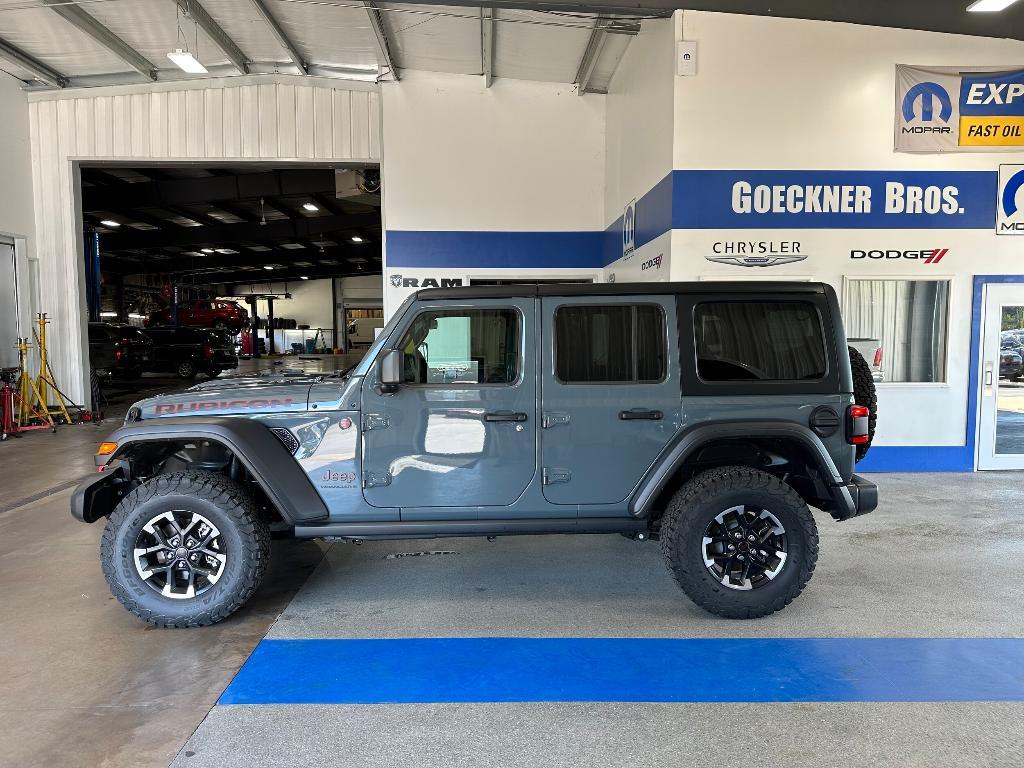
(80, 43)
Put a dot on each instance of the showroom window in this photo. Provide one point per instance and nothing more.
(472, 346)
(899, 326)
(759, 341)
(614, 344)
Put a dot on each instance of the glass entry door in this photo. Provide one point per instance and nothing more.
(1001, 416)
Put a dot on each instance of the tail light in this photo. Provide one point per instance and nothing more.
(207, 350)
(857, 432)
(118, 353)
(878, 357)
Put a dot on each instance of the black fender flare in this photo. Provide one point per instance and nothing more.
(271, 465)
(689, 440)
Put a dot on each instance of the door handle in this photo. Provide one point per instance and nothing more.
(988, 377)
(641, 414)
(505, 416)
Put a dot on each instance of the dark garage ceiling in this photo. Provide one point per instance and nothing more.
(245, 219)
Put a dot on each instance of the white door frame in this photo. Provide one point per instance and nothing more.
(994, 297)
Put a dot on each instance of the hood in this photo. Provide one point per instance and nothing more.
(279, 393)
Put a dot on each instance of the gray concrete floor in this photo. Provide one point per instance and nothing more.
(84, 683)
(936, 560)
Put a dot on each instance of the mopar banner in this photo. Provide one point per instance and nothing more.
(946, 109)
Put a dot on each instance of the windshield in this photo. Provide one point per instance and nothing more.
(371, 353)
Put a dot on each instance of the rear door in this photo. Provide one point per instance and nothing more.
(610, 393)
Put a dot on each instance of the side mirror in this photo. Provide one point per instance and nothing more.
(391, 363)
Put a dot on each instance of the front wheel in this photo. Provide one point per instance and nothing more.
(740, 542)
(185, 549)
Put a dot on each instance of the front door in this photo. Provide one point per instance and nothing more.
(461, 430)
(1001, 416)
(610, 393)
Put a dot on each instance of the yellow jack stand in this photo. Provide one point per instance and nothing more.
(44, 381)
(28, 394)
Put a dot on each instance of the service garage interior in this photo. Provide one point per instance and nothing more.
(209, 206)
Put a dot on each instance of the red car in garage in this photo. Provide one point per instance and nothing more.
(205, 313)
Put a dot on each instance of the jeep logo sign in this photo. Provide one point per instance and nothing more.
(398, 281)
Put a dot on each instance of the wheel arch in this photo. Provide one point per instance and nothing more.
(273, 470)
(790, 451)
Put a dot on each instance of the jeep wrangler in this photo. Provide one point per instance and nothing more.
(708, 416)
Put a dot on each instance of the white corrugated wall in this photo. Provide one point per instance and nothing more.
(266, 118)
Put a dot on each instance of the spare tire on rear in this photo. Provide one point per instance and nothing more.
(864, 394)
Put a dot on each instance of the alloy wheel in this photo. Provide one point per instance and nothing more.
(179, 554)
(745, 547)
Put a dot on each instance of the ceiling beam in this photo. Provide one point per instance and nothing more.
(209, 189)
(40, 71)
(488, 27)
(181, 264)
(281, 35)
(384, 58)
(198, 14)
(81, 20)
(591, 53)
(224, 235)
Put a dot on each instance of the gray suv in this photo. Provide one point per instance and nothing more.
(708, 416)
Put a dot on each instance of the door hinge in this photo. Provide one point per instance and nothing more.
(375, 421)
(554, 419)
(556, 475)
(376, 479)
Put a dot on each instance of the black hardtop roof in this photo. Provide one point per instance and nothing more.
(619, 289)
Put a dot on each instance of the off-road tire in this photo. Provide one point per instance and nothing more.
(244, 534)
(186, 370)
(708, 494)
(864, 394)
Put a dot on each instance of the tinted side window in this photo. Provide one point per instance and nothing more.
(619, 343)
(759, 341)
(97, 333)
(472, 346)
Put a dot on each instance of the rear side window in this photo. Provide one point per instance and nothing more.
(613, 344)
(759, 341)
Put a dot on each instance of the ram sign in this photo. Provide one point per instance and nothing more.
(946, 109)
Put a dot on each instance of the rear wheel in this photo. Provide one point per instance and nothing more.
(864, 394)
(185, 549)
(740, 542)
(186, 370)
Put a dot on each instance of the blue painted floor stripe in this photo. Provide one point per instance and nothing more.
(622, 669)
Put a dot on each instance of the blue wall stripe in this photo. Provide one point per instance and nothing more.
(529, 250)
(918, 458)
(625, 669)
(703, 200)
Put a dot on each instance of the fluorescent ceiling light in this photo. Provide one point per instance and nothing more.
(989, 6)
(268, 266)
(310, 207)
(108, 314)
(110, 223)
(136, 316)
(186, 62)
(207, 250)
(303, 277)
(356, 239)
